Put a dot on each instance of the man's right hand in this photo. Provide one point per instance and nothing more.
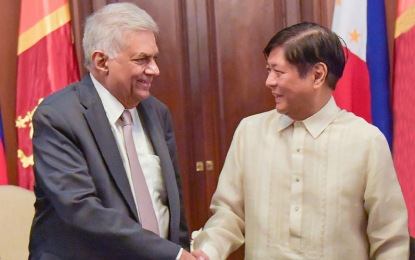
(186, 256)
(200, 255)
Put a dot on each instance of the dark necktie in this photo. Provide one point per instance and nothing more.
(145, 206)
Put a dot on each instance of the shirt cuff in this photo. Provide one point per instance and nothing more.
(179, 254)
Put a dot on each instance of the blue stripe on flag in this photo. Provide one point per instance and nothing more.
(1, 130)
(377, 57)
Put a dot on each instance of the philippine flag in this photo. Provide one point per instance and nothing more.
(364, 88)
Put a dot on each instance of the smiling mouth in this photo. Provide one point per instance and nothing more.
(145, 82)
(276, 95)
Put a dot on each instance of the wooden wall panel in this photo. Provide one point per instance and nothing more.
(329, 8)
(293, 10)
(308, 10)
(317, 11)
(80, 9)
(243, 30)
(280, 8)
(203, 101)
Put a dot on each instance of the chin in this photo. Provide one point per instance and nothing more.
(142, 95)
(280, 110)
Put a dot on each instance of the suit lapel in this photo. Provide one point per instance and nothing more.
(154, 130)
(101, 130)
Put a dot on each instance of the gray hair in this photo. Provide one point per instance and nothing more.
(106, 29)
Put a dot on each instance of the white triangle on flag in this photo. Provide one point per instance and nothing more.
(350, 23)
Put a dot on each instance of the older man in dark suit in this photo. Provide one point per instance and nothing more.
(107, 181)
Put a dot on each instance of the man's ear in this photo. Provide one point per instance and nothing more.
(99, 61)
(320, 74)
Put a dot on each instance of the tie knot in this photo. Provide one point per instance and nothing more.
(126, 118)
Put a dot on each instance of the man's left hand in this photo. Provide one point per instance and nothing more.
(186, 256)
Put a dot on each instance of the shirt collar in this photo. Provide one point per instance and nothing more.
(112, 106)
(284, 123)
(316, 123)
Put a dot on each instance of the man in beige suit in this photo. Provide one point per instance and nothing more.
(307, 180)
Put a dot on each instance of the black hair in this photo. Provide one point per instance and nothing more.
(306, 44)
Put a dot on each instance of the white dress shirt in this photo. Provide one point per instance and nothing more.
(150, 163)
(323, 188)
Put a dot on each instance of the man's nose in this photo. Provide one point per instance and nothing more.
(271, 81)
(152, 69)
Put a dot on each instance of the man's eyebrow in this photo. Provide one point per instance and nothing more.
(146, 55)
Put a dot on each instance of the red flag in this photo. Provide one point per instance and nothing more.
(46, 63)
(3, 166)
(404, 106)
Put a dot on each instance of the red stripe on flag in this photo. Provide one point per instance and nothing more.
(353, 89)
(33, 11)
(403, 6)
(404, 115)
(44, 68)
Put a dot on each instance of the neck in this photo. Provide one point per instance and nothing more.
(322, 100)
(317, 102)
(102, 79)
(97, 76)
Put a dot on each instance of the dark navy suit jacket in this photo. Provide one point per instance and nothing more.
(84, 205)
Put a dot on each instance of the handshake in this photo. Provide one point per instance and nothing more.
(197, 254)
